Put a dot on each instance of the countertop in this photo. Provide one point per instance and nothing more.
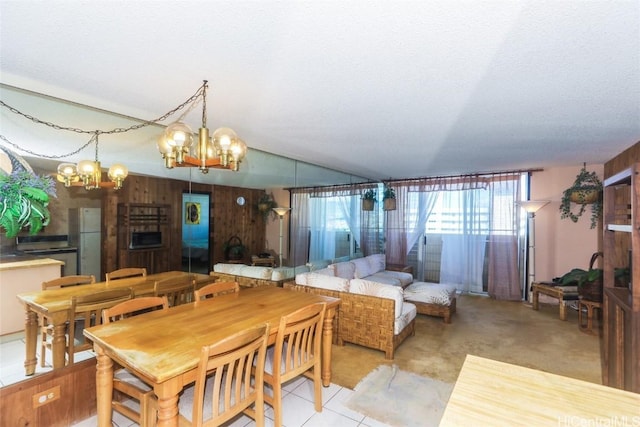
(25, 261)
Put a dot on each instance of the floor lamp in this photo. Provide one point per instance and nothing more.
(281, 213)
(531, 207)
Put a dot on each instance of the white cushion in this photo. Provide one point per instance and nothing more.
(409, 313)
(327, 282)
(430, 293)
(363, 268)
(282, 273)
(377, 262)
(366, 287)
(234, 269)
(346, 270)
(380, 277)
(256, 272)
(403, 278)
(318, 264)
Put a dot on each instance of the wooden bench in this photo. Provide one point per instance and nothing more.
(554, 290)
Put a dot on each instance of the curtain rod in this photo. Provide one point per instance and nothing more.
(385, 181)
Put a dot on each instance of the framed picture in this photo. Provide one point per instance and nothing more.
(192, 210)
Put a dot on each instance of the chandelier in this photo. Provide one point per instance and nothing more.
(88, 173)
(223, 150)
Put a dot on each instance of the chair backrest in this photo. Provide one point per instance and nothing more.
(215, 289)
(230, 366)
(298, 341)
(178, 290)
(64, 281)
(133, 307)
(87, 312)
(124, 273)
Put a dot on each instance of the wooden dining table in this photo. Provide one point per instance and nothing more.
(493, 393)
(163, 347)
(54, 304)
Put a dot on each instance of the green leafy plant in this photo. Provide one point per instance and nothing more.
(370, 194)
(586, 189)
(24, 198)
(265, 206)
(388, 193)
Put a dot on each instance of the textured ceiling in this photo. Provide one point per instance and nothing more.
(382, 90)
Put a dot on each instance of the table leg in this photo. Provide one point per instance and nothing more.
(167, 403)
(563, 309)
(104, 387)
(536, 297)
(59, 345)
(327, 335)
(31, 338)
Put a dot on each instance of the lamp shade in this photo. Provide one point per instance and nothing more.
(533, 206)
(281, 211)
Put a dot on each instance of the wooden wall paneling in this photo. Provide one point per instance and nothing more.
(623, 160)
(77, 397)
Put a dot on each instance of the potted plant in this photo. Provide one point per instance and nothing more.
(587, 189)
(589, 282)
(24, 197)
(265, 206)
(369, 199)
(388, 199)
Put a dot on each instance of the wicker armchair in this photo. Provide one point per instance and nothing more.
(362, 319)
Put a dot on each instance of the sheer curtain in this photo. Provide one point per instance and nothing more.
(406, 224)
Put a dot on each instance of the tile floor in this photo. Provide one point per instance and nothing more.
(297, 401)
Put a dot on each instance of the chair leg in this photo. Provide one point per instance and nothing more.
(317, 387)
(277, 404)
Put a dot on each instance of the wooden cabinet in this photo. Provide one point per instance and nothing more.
(621, 304)
(144, 236)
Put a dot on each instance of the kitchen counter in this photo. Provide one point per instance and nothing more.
(20, 274)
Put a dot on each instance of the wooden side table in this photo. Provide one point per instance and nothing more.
(264, 262)
(562, 293)
(586, 325)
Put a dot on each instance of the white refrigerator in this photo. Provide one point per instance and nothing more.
(85, 228)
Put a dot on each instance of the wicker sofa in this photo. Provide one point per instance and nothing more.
(371, 314)
(249, 276)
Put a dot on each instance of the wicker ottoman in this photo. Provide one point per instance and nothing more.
(432, 299)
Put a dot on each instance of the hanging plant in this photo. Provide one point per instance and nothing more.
(24, 197)
(388, 199)
(586, 190)
(265, 206)
(369, 199)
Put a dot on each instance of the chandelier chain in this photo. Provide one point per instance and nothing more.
(192, 99)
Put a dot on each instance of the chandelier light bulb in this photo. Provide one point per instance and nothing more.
(179, 135)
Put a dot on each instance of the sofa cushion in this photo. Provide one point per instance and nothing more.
(327, 282)
(256, 272)
(367, 287)
(380, 277)
(430, 293)
(363, 268)
(234, 269)
(377, 262)
(398, 278)
(409, 312)
(318, 264)
(282, 273)
(346, 270)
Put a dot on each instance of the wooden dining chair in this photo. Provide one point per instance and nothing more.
(216, 289)
(125, 273)
(87, 312)
(296, 352)
(178, 290)
(125, 382)
(227, 382)
(46, 330)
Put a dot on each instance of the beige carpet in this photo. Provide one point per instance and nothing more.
(507, 331)
(400, 398)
